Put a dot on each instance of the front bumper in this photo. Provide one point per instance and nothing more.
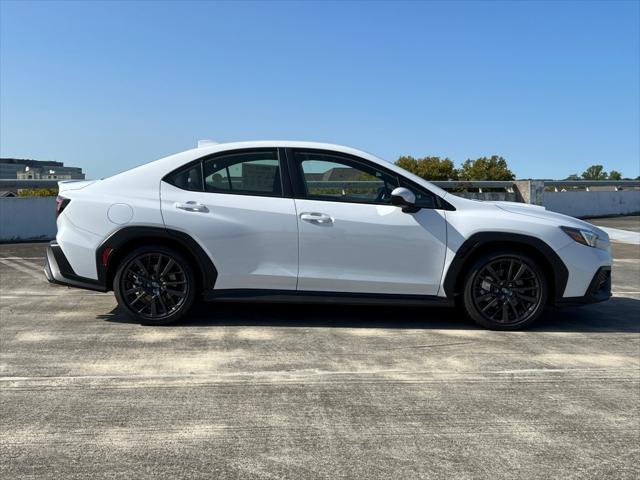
(58, 270)
(599, 289)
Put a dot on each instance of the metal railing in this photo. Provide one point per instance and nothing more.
(507, 185)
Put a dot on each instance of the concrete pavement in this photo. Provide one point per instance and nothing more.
(249, 391)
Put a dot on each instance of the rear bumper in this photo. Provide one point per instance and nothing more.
(599, 290)
(58, 270)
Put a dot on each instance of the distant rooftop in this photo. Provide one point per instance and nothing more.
(31, 163)
(28, 169)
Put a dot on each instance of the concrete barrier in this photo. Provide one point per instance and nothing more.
(28, 218)
(593, 203)
(577, 198)
(33, 218)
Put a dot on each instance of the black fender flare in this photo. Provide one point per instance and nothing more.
(120, 238)
(481, 240)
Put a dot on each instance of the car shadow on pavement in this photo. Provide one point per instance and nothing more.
(617, 315)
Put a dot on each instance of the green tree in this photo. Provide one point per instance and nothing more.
(429, 168)
(38, 192)
(615, 175)
(595, 172)
(483, 168)
(573, 176)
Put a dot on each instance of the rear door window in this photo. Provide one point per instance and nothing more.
(244, 173)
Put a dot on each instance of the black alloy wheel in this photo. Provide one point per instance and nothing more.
(505, 291)
(155, 285)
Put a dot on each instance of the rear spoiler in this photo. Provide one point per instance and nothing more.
(65, 185)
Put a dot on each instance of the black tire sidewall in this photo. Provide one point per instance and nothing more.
(470, 307)
(178, 258)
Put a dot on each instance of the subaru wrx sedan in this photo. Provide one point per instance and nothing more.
(312, 222)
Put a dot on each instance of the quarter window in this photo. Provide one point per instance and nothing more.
(333, 177)
(189, 178)
(244, 173)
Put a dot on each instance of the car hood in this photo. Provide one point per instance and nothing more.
(539, 211)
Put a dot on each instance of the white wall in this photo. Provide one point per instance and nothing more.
(33, 218)
(28, 218)
(593, 203)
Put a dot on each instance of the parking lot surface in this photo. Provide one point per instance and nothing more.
(631, 223)
(304, 392)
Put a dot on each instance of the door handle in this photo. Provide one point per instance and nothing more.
(317, 218)
(192, 206)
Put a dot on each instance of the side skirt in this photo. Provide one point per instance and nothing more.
(338, 298)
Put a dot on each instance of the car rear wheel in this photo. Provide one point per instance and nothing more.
(155, 285)
(505, 291)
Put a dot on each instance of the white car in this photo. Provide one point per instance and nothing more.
(313, 222)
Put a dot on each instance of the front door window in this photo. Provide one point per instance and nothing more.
(332, 177)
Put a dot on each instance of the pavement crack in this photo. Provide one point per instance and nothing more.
(435, 345)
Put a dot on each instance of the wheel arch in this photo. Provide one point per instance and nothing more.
(127, 239)
(481, 243)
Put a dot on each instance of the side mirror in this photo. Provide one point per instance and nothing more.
(405, 198)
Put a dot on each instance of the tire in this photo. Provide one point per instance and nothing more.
(155, 285)
(505, 290)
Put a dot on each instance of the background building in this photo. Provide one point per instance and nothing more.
(24, 169)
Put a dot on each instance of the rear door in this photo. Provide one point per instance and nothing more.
(352, 239)
(234, 205)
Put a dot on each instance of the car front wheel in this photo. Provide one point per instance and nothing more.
(505, 291)
(155, 285)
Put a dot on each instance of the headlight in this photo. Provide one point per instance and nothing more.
(585, 237)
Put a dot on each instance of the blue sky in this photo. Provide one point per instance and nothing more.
(551, 86)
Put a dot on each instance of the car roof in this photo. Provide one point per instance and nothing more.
(209, 148)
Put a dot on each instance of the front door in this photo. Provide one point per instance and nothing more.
(351, 239)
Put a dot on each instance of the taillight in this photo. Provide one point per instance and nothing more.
(61, 204)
